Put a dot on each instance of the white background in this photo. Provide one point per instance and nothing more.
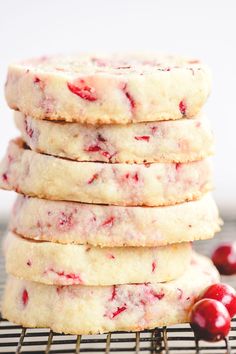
(202, 28)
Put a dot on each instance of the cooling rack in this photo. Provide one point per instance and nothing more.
(166, 340)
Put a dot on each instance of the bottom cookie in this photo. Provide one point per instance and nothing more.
(78, 309)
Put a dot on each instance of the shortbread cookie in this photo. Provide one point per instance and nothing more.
(81, 309)
(55, 178)
(168, 141)
(54, 263)
(108, 89)
(114, 226)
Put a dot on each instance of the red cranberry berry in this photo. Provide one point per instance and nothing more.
(182, 107)
(223, 293)
(224, 258)
(210, 320)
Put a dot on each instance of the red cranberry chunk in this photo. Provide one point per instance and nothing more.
(119, 310)
(143, 137)
(129, 97)
(182, 107)
(28, 129)
(135, 177)
(178, 166)
(25, 297)
(109, 221)
(101, 138)
(224, 258)
(29, 263)
(93, 178)
(81, 89)
(223, 293)
(93, 148)
(65, 221)
(113, 293)
(4, 177)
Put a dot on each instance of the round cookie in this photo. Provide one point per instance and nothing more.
(55, 178)
(78, 309)
(54, 263)
(182, 140)
(114, 226)
(108, 89)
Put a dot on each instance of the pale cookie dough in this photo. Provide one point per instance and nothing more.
(55, 178)
(108, 89)
(114, 226)
(78, 309)
(54, 263)
(168, 141)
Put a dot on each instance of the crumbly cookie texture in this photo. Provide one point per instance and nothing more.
(108, 89)
(114, 226)
(50, 177)
(54, 263)
(79, 309)
(182, 140)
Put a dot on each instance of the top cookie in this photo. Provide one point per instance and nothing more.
(108, 89)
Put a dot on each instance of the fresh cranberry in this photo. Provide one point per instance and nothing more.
(223, 293)
(210, 320)
(182, 107)
(81, 89)
(224, 258)
(25, 297)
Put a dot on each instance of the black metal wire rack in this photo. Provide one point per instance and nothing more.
(166, 340)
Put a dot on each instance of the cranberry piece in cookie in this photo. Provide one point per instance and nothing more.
(210, 320)
(81, 89)
(182, 107)
(25, 297)
(223, 293)
(224, 258)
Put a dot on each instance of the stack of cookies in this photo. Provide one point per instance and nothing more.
(114, 184)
